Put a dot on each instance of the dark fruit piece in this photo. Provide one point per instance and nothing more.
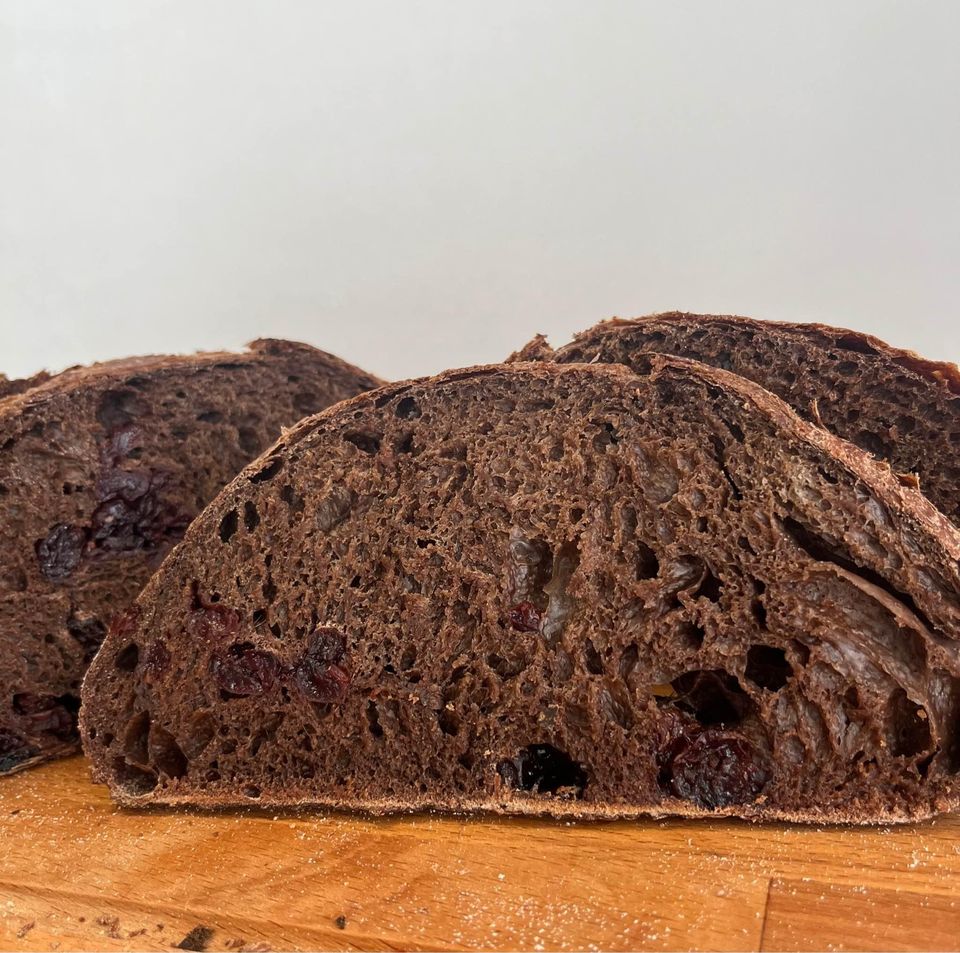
(524, 617)
(60, 552)
(119, 443)
(157, 660)
(326, 685)
(213, 622)
(327, 644)
(716, 768)
(318, 674)
(245, 671)
(545, 770)
(132, 514)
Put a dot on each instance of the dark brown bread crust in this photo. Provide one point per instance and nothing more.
(10, 388)
(895, 404)
(101, 469)
(539, 588)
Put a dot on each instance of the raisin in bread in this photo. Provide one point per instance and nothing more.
(893, 403)
(545, 588)
(101, 470)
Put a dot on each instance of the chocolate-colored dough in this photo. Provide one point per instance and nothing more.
(101, 470)
(895, 404)
(547, 588)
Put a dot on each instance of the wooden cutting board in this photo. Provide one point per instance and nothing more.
(76, 873)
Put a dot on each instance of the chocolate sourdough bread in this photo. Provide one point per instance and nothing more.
(895, 404)
(101, 470)
(544, 588)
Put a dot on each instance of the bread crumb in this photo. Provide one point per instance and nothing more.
(196, 940)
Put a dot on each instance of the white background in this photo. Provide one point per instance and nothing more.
(416, 185)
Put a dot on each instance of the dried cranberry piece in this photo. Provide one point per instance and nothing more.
(318, 673)
(214, 622)
(524, 617)
(14, 750)
(89, 632)
(245, 671)
(326, 686)
(128, 485)
(120, 441)
(125, 623)
(60, 552)
(156, 660)
(327, 644)
(716, 768)
(132, 514)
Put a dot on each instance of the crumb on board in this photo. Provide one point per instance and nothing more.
(196, 940)
(341, 922)
(112, 924)
(25, 929)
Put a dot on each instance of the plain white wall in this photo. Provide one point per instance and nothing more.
(416, 185)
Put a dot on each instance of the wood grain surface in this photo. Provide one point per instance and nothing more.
(76, 873)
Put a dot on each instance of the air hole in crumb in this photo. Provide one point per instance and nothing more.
(702, 524)
(367, 442)
(543, 769)
(735, 430)
(405, 443)
(690, 636)
(268, 472)
(647, 563)
(251, 791)
(290, 496)
(251, 518)
(126, 659)
(629, 659)
(576, 514)
(136, 738)
(768, 667)
(908, 727)
(228, 525)
(407, 408)
(373, 720)
(117, 408)
(210, 417)
(712, 697)
(851, 342)
(449, 721)
(592, 658)
(711, 587)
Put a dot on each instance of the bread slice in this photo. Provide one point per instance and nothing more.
(101, 470)
(895, 404)
(545, 588)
